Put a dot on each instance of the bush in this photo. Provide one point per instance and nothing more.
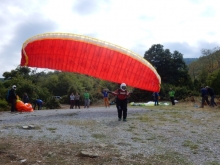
(4, 105)
(52, 103)
(184, 92)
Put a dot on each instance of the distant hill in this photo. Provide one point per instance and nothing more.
(189, 60)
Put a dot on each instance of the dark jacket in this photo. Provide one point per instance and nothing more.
(211, 91)
(204, 92)
(25, 99)
(12, 95)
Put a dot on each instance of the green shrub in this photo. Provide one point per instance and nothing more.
(4, 105)
(52, 103)
(182, 92)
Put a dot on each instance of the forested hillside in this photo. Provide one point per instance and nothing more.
(189, 60)
(206, 70)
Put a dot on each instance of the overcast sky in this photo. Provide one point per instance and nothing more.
(187, 26)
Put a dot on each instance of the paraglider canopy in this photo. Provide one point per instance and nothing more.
(93, 57)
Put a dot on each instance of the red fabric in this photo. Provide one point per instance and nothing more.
(21, 107)
(85, 57)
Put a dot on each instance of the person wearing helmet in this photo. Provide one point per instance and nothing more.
(13, 98)
(121, 101)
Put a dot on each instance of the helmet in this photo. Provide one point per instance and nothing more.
(123, 86)
(14, 86)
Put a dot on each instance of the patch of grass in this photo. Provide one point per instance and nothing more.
(175, 121)
(162, 118)
(8, 127)
(136, 139)
(82, 123)
(52, 130)
(136, 133)
(123, 144)
(37, 127)
(71, 114)
(212, 163)
(168, 158)
(99, 136)
(4, 146)
(131, 128)
(191, 145)
(151, 138)
(145, 118)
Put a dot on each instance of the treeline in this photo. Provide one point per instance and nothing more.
(186, 80)
(45, 85)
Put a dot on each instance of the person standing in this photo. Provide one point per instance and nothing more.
(77, 97)
(72, 97)
(156, 97)
(13, 98)
(171, 94)
(212, 95)
(121, 101)
(105, 95)
(204, 95)
(86, 100)
(25, 98)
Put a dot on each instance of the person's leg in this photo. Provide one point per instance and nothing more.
(119, 106)
(78, 104)
(212, 101)
(88, 103)
(207, 100)
(203, 102)
(73, 103)
(108, 102)
(105, 101)
(13, 105)
(124, 108)
(172, 100)
(34, 105)
(85, 103)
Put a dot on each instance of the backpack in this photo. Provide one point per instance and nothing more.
(8, 96)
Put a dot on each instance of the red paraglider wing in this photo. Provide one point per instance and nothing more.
(85, 55)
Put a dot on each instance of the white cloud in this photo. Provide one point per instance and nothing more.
(184, 25)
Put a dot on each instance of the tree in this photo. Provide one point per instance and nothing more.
(171, 67)
(213, 81)
(22, 71)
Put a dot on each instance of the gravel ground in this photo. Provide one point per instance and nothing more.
(192, 134)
